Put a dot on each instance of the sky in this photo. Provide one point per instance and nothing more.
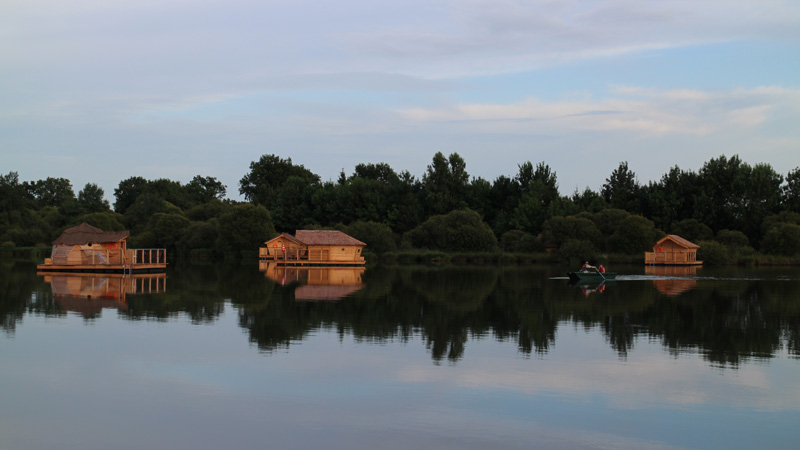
(98, 91)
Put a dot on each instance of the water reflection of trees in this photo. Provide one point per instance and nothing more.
(725, 321)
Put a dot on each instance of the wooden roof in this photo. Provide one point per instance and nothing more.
(85, 233)
(286, 236)
(326, 237)
(678, 240)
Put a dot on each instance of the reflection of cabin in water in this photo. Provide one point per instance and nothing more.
(315, 283)
(85, 248)
(673, 250)
(313, 247)
(88, 294)
(675, 284)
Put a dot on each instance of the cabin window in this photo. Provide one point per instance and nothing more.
(89, 244)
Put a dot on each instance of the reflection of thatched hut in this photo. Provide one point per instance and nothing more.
(318, 247)
(85, 247)
(673, 250)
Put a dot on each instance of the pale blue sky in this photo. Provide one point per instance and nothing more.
(101, 90)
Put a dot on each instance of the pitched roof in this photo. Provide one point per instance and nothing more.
(286, 236)
(678, 240)
(85, 233)
(326, 237)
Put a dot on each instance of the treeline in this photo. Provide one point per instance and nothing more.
(732, 208)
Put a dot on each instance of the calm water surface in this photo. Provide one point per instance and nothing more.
(244, 357)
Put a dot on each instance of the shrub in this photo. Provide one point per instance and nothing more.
(713, 253)
(577, 250)
(517, 241)
(693, 230)
(378, 237)
(244, 227)
(635, 234)
(782, 239)
(732, 238)
(559, 230)
(457, 231)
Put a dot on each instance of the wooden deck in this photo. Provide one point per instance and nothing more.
(671, 259)
(101, 261)
(302, 258)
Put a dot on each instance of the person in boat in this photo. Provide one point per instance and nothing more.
(585, 266)
(601, 269)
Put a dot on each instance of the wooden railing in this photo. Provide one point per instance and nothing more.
(278, 254)
(147, 256)
(669, 257)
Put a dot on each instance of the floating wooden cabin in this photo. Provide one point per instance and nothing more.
(313, 248)
(85, 248)
(673, 250)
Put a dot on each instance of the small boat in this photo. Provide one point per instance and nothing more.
(591, 276)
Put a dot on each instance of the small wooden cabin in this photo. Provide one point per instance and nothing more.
(88, 248)
(673, 250)
(314, 247)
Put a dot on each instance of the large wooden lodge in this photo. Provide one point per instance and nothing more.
(313, 248)
(673, 250)
(85, 248)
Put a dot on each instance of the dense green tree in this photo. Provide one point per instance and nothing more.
(791, 191)
(635, 234)
(457, 231)
(106, 221)
(445, 182)
(378, 237)
(51, 191)
(167, 229)
(293, 208)
(245, 227)
(782, 239)
(204, 189)
(782, 217)
(589, 200)
(91, 199)
(621, 188)
(199, 235)
(267, 175)
(212, 209)
(406, 211)
(732, 238)
(127, 192)
(713, 253)
(517, 241)
(504, 198)
(146, 205)
(692, 230)
(559, 230)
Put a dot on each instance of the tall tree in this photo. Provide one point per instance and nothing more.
(445, 183)
(127, 192)
(267, 175)
(621, 188)
(791, 191)
(91, 199)
(52, 192)
(204, 189)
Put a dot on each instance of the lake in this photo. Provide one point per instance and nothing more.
(398, 357)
